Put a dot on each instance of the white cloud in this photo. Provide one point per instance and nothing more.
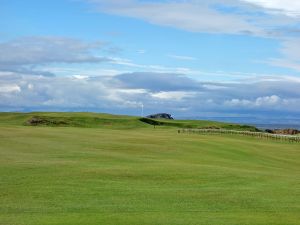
(153, 68)
(237, 102)
(182, 57)
(268, 100)
(193, 16)
(27, 54)
(81, 77)
(132, 91)
(213, 86)
(41, 50)
(172, 95)
(286, 7)
(264, 101)
(290, 54)
(10, 88)
(82, 70)
(30, 86)
(250, 17)
(141, 51)
(285, 63)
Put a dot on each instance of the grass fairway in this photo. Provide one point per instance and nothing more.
(141, 175)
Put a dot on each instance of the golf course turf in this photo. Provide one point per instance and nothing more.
(117, 170)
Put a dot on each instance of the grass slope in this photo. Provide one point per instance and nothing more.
(198, 124)
(75, 176)
(88, 120)
(98, 120)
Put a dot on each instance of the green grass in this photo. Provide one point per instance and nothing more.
(87, 120)
(116, 176)
(199, 124)
(97, 120)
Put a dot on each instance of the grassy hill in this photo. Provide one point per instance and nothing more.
(98, 120)
(60, 119)
(73, 175)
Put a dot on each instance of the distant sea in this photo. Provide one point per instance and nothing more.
(259, 123)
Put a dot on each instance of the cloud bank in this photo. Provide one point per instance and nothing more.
(172, 93)
(26, 53)
(254, 17)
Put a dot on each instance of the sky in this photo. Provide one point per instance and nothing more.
(235, 60)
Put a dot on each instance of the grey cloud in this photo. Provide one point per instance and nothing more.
(157, 81)
(291, 49)
(193, 16)
(41, 50)
(278, 97)
(48, 93)
(211, 16)
(26, 70)
(290, 54)
(25, 55)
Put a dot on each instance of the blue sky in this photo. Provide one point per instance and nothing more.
(217, 58)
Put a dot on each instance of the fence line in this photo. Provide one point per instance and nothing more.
(278, 137)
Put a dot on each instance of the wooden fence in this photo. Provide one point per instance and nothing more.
(289, 138)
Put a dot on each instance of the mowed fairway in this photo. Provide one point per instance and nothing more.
(92, 176)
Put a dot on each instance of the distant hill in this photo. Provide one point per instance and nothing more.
(100, 120)
(161, 116)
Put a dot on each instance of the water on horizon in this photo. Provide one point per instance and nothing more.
(260, 124)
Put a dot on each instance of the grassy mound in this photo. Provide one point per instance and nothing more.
(201, 124)
(88, 120)
(100, 120)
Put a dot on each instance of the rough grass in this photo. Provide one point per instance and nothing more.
(54, 119)
(75, 176)
(198, 124)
